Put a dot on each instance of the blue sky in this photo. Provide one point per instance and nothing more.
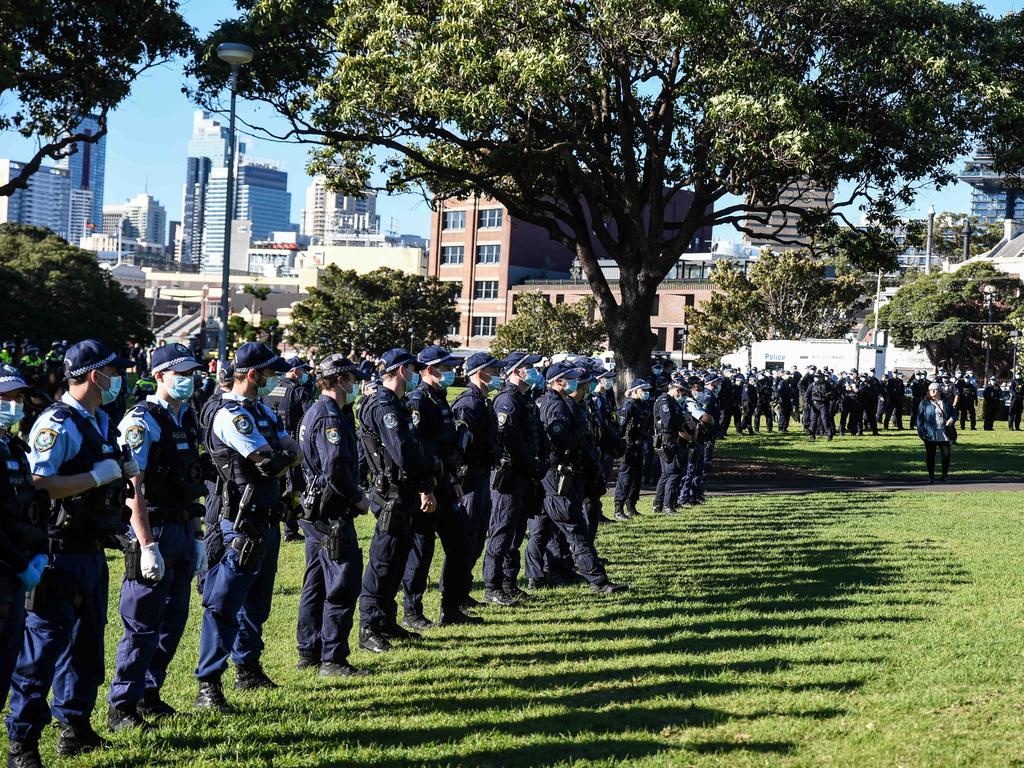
(149, 131)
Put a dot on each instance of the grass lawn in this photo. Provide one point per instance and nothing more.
(893, 454)
(832, 629)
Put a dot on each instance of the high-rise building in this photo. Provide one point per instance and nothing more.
(803, 194)
(80, 223)
(46, 202)
(262, 197)
(992, 201)
(142, 218)
(208, 149)
(329, 215)
(87, 166)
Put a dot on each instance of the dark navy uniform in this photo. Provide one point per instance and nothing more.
(668, 421)
(400, 471)
(634, 427)
(334, 562)
(290, 400)
(435, 427)
(701, 453)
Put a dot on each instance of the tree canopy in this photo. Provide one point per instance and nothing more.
(587, 118)
(946, 313)
(374, 312)
(948, 238)
(60, 61)
(782, 296)
(50, 290)
(547, 329)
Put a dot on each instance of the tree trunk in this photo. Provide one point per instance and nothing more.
(630, 338)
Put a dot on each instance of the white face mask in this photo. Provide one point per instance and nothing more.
(11, 412)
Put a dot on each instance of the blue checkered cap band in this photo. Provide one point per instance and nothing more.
(85, 369)
(8, 379)
(175, 361)
(265, 364)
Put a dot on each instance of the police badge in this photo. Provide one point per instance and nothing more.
(45, 438)
(242, 424)
(390, 421)
(333, 435)
(135, 436)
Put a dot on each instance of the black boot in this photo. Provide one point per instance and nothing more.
(620, 516)
(340, 669)
(125, 720)
(78, 738)
(307, 662)
(373, 641)
(153, 706)
(416, 621)
(631, 509)
(608, 588)
(499, 597)
(452, 618)
(513, 591)
(23, 754)
(211, 696)
(250, 677)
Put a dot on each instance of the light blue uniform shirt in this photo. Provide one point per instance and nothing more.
(140, 431)
(693, 407)
(237, 431)
(54, 442)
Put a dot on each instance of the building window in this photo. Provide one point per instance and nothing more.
(452, 254)
(662, 333)
(454, 220)
(453, 329)
(484, 326)
(688, 299)
(485, 289)
(559, 298)
(489, 218)
(678, 339)
(488, 254)
(656, 306)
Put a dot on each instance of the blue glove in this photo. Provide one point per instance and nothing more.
(30, 576)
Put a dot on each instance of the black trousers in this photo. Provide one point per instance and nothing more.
(930, 447)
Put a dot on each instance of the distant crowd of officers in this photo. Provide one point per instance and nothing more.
(195, 481)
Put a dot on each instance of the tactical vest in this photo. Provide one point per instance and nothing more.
(97, 513)
(385, 475)
(23, 509)
(174, 475)
(238, 471)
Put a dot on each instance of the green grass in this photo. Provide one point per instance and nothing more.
(893, 454)
(832, 629)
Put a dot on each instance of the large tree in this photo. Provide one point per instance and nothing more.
(947, 314)
(50, 290)
(780, 296)
(948, 235)
(587, 118)
(548, 329)
(60, 61)
(382, 309)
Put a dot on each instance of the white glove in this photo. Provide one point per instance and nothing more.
(106, 471)
(152, 562)
(201, 562)
(130, 469)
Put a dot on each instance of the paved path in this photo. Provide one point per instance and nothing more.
(804, 486)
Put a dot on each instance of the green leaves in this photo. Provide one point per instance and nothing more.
(376, 312)
(543, 328)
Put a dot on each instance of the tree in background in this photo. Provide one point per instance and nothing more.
(375, 312)
(946, 313)
(50, 290)
(587, 118)
(948, 238)
(543, 328)
(782, 296)
(258, 292)
(60, 61)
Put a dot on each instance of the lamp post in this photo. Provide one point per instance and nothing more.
(684, 333)
(990, 293)
(928, 244)
(236, 55)
(967, 239)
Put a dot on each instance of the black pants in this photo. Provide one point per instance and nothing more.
(968, 412)
(930, 446)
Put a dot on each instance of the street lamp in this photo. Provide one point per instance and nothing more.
(928, 245)
(967, 239)
(990, 293)
(684, 333)
(236, 55)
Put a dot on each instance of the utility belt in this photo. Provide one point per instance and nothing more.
(87, 524)
(50, 589)
(336, 541)
(175, 515)
(392, 518)
(75, 546)
(248, 547)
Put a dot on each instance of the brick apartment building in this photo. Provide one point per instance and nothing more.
(496, 257)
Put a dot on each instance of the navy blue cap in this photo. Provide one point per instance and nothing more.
(255, 356)
(337, 364)
(225, 372)
(480, 360)
(10, 379)
(564, 370)
(639, 384)
(297, 363)
(711, 377)
(174, 357)
(90, 355)
(436, 355)
(519, 360)
(394, 359)
(607, 373)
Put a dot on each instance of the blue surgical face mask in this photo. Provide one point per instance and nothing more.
(413, 381)
(110, 394)
(182, 387)
(593, 386)
(647, 395)
(11, 412)
(447, 379)
(533, 377)
(656, 370)
(494, 383)
(571, 385)
(303, 378)
(270, 386)
(353, 392)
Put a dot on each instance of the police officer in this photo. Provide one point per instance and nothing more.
(748, 404)
(918, 392)
(895, 390)
(477, 436)
(668, 422)
(820, 397)
(252, 453)
(434, 425)
(75, 459)
(165, 548)
(967, 400)
(763, 405)
(634, 425)
(403, 478)
(214, 537)
(331, 501)
(23, 515)
(992, 398)
(516, 478)
(289, 401)
(1016, 403)
(702, 429)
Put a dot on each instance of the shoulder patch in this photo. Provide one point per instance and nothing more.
(45, 438)
(665, 408)
(390, 421)
(502, 419)
(556, 428)
(415, 418)
(333, 435)
(135, 436)
(243, 424)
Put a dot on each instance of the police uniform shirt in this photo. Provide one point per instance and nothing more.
(512, 410)
(12, 556)
(54, 442)
(558, 417)
(385, 415)
(327, 439)
(433, 423)
(472, 411)
(694, 408)
(139, 430)
(237, 430)
(667, 416)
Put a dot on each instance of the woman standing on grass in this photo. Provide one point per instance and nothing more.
(935, 419)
